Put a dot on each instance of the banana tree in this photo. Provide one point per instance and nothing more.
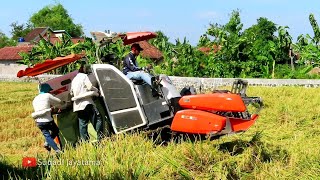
(309, 53)
(316, 30)
(44, 49)
(284, 41)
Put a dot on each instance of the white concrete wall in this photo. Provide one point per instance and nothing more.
(204, 83)
(213, 83)
(10, 67)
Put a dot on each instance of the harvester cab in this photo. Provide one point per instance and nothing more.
(131, 104)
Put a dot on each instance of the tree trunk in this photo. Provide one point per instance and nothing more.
(292, 65)
(273, 66)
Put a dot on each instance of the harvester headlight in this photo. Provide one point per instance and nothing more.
(189, 117)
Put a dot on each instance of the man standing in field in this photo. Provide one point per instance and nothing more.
(82, 91)
(42, 105)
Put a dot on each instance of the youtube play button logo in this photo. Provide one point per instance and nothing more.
(29, 162)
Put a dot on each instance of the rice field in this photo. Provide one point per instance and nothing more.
(282, 144)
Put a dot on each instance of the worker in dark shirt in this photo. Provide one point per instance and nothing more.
(133, 71)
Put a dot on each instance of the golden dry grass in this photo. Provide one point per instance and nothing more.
(282, 144)
(19, 135)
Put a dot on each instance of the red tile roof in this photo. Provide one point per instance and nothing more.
(150, 51)
(32, 35)
(206, 50)
(11, 53)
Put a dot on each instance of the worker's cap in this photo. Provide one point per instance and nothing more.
(137, 47)
(45, 88)
(87, 68)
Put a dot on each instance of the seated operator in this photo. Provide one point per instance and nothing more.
(131, 69)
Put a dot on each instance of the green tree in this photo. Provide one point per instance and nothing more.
(204, 41)
(316, 30)
(19, 30)
(284, 42)
(227, 62)
(308, 47)
(163, 44)
(168, 51)
(5, 41)
(57, 18)
(261, 48)
(308, 52)
(188, 65)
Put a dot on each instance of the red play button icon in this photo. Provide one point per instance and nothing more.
(29, 162)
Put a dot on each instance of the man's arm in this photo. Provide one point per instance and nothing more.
(54, 100)
(89, 85)
(71, 91)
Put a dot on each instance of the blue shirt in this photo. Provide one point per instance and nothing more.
(130, 64)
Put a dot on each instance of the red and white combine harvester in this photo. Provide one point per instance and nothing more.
(128, 105)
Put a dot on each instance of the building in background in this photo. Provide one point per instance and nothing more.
(9, 56)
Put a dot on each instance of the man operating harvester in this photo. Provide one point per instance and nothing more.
(82, 91)
(133, 71)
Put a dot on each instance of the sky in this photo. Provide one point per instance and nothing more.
(176, 18)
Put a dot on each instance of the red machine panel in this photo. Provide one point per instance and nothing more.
(216, 101)
(198, 122)
(239, 125)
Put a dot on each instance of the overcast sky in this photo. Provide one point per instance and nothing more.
(176, 18)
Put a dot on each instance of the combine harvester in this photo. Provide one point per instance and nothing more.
(129, 105)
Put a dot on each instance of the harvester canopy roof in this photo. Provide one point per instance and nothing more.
(49, 65)
(132, 37)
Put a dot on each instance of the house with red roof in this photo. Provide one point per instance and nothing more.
(46, 32)
(9, 56)
(150, 51)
